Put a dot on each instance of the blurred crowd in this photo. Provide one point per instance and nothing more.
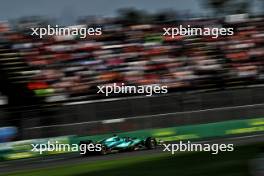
(66, 67)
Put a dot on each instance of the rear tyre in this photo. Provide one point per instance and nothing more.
(151, 143)
(103, 150)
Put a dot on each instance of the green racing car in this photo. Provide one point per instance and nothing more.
(119, 144)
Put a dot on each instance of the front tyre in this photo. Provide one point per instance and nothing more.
(150, 143)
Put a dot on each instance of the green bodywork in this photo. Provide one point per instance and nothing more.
(120, 143)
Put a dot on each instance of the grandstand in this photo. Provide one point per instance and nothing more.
(56, 69)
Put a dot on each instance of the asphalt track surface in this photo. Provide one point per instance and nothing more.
(75, 158)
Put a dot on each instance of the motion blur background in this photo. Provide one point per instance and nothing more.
(48, 86)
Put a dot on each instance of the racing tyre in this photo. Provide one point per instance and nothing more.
(151, 143)
(103, 150)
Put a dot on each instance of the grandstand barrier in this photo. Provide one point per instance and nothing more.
(177, 109)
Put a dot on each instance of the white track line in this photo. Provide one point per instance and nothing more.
(149, 116)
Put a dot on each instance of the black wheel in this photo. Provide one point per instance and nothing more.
(103, 150)
(151, 143)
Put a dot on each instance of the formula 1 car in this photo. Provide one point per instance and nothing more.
(117, 144)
